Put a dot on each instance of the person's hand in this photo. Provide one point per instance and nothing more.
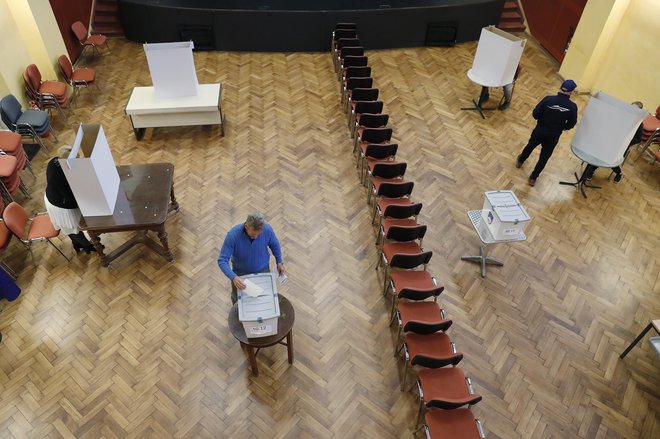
(280, 269)
(238, 283)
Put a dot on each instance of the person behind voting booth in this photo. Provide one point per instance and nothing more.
(61, 204)
(554, 115)
(246, 245)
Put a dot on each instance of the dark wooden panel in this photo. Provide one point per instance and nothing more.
(66, 13)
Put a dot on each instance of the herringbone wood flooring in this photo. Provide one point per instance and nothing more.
(143, 350)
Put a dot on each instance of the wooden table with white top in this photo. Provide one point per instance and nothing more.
(146, 110)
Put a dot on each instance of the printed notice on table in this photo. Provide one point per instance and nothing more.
(251, 288)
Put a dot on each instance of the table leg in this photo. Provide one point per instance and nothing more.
(639, 337)
(289, 346)
(162, 235)
(482, 259)
(139, 133)
(253, 359)
(96, 240)
(174, 204)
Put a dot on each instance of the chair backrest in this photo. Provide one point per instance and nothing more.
(413, 294)
(11, 110)
(34, 76)
(361, 82)
(345, 33)
(346, 26)
(348, 42)
(389, 169)
(15, 218)
(65, 67)
(371, 107)
(351, 51)
(406, 233)
(402, 211)
(355, 60)
(374, 120)
(358, 72)
(376, 135)
(380, 151)
(80, 31)
(5, 236)
(395, 190)
(407, 261)
(364, 94)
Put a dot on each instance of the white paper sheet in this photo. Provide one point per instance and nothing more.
(252, 289)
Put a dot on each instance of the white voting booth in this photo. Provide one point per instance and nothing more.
(497, 58)
(93, 176)
(605, 130)
(172, 69)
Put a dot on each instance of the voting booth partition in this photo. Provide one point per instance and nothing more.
(606, 129)
(93, 176)
(172, 69)
(497, 57)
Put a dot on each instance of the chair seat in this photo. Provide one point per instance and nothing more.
(406, 248)
(431, 350)
(87, 75)
(56, 88)
(97, 40)
(41, 227)
(5, 236)
(377, 181)
(446, 384)
(412, 279)
(384, 202)
(373, 162)
(422, 317)
(651, 123)
(9, 141)
(387, 223)
(452, 424)
(8, 165)
(36, 118)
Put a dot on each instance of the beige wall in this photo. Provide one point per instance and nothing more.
(612, 50)
(29, 34)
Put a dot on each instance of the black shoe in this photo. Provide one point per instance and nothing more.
(518, 162)
(504, 105)
(89, 248)
(618, 177)
(77, 247)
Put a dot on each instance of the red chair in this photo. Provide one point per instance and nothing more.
(453, 424)
(392, 194)
(431, 351)
(342, 30)
(398, 216)
(76, 78)
(47, 94)
(85, 40)
(10, 180)
(359, 104)
(5, 239)
(29, 230)
(377, 153)
(370, 136)
(446, 388)
(385, 172)
(11, 144)
(355, 82)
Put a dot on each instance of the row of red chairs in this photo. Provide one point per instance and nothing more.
(422, 324)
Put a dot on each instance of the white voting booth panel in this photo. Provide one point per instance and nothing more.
(497, 58)
(606, 128)
(93, 177)
(172, 69)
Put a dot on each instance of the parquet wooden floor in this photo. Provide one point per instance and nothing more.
(143, 350)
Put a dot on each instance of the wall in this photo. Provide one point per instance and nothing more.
(631, 68)
(67, 13)
(29, 34)
(613, 50)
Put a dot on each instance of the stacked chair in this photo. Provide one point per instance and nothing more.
(48, 95)
(445, 392)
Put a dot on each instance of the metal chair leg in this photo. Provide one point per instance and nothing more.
(58, 249)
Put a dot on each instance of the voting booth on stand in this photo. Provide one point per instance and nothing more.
(172, 69)
(603, 135)
(258, 305)
(93, 176)
(495, 62)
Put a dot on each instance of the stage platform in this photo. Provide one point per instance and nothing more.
(305, 25)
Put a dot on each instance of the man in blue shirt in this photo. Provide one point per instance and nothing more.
(555, 114)
(247, 246)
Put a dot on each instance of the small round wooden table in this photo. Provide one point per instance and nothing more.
(284, 330)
